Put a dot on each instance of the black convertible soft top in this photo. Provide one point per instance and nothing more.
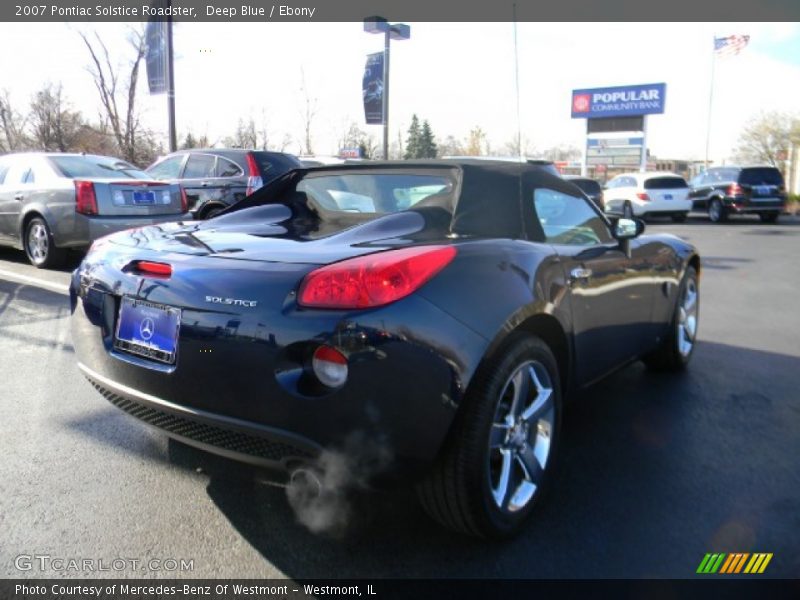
(492, 198)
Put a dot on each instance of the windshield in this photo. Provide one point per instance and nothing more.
(375, 193)
(96, 166)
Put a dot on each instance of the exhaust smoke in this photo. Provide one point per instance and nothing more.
(320, 494)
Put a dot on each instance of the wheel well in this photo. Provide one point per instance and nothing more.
(209, 206)
(25, 220)
(694, 261)
(550, 331)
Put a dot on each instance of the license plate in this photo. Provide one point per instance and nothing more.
(763, 190)
(144, 197)
(147, 329)
(667, 196)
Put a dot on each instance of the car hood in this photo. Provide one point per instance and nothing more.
(273, 234)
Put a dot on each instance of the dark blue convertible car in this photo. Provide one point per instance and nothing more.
(441, 309)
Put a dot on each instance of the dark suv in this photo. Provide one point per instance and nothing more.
(214, 179)
(722, 191)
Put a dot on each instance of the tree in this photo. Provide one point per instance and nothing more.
(118, 95)
(767, 138)
(413, 141)
(427, 143)
(477, 144)
(245, 135)
(309, 111)
(12, 126)
(355, 137)
(562, 153)
(518, 147)
(451, 147)
(55, 128)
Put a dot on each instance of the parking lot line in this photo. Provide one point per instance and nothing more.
(52, 286)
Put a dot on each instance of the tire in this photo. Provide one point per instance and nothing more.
(680, 217)
(769, 217)
(39, 246)
(716, 212)
(465, 490)
(212, 212)
(676, 350)
(627, 211)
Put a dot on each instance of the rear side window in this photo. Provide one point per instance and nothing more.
(665, 183)
(761, 176)
(3, 171)
(199, 166)
(29, 177)
(227, 168)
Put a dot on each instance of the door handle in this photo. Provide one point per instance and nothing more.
(18, 196)
(579, 273)
(205, 184)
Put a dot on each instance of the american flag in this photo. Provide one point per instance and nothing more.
(731, 45)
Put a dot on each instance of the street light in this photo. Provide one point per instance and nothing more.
(395, 31)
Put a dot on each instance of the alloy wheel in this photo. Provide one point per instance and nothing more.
(520, 438)
(687, 318)
(38, 242)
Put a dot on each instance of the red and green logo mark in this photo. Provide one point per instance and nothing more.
(737, 562)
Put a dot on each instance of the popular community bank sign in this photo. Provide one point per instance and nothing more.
(622, 101)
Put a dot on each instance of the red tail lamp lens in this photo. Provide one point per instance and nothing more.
(85, 199)
(642, 196)
(330, 366)
(154, 268)
(375, 279)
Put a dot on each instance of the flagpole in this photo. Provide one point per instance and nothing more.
(516, 81)
(710, 98)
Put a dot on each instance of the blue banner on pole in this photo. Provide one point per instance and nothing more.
(156, 56)
(622, 101)
(372, 89)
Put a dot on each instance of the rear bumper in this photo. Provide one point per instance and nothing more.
(81, 230)
(751, 206)
(236, 388)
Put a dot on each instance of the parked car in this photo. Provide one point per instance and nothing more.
(655, 193)
(437, 342)
(723, 191)
(215, 179)
(50, 202)
(590, 187)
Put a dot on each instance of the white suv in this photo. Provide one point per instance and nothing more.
(642, 194)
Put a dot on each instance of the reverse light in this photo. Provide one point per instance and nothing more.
(373, 280)
(147, 267)
(254, 180)
(85, 199)
(330, 366)
(643, 196)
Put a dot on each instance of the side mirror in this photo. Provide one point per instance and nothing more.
(627, 229)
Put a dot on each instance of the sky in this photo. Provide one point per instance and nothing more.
(456, 75)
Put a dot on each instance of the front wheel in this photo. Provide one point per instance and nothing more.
(677, 348)
(499, 456)
(39, 246)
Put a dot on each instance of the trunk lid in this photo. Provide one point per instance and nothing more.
(131, 197)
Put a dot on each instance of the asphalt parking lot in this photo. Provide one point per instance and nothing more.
(655, 470)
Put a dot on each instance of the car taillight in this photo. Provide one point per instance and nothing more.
(254, 180)
(330, 366)
(147, 267)
(184, 200)
(375, 279)
(85, 199)
(735, 190)
(643, 196)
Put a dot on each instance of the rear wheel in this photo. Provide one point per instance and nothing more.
(212, 211)
(716, 212)
(499, 457)
(771, 217)
(39, 245)
(680, 217)
(676, 350)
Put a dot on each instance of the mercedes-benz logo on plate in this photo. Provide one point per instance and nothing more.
(147, 328)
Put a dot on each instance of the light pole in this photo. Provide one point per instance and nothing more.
(395, 31)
